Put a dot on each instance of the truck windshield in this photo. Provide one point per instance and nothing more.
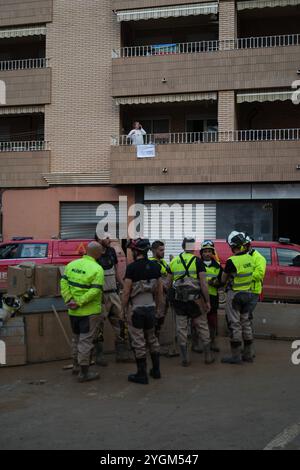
(9, 251)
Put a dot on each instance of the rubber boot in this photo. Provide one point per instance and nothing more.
(87, 376)
(155, 371)
(213, 345)
(248, 352)
(123, 353)
(236, 356)
(76, 368)
(197, 345)
(100, 360)
(141, 376)
(184, 355)
(208, 354)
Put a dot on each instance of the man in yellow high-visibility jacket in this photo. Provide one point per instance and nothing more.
(81, 289)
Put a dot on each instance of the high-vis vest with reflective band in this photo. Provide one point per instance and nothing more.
(162, 264)
(178, 270)
(83, 282)
(260, 266)
(242, 279)
(211, 272)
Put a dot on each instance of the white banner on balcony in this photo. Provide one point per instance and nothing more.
(167, 12)
(21, 32)
(145, 151)
(249, 5)
(166, 98)
(264, 95)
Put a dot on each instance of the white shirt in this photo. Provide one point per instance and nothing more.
(136, 136)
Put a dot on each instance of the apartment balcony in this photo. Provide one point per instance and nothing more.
(25, 12)
(244, 63)
(27, 81)
(267, 155)
(22, 164)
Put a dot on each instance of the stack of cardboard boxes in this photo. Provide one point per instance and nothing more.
(44, 279)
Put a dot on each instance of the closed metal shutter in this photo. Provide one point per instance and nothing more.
(79, 219)
(199, 219)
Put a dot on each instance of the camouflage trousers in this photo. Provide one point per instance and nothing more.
(141, 329)
(84, 333)
(237, 312)
(112, 311)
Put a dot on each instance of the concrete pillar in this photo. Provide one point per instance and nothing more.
(226, 115)
(227, 24)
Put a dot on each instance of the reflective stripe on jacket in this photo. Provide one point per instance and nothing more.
(244, 265)
(83, 282)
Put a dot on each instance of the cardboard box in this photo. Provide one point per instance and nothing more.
(47, 278)
(20, 278)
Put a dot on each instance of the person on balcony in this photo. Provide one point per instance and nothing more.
(137, 134)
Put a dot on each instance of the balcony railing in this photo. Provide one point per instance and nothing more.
(208, 46)
(25, 146)
(214, 137)
(24, 64)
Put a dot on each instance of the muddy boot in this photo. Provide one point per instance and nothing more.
(236, 356)
(208, 354)
(155, 371)
(87, 376)
(100, 360)
(197, 345)
(76, 368)
(141, 376)
(123, 353)
(248, 355)
(184, 355)
(213, 345)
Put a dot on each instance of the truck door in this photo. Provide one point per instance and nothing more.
(288, 277)
(8, 257)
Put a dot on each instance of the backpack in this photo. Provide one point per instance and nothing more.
(186, 288)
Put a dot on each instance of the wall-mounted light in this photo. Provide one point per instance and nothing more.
(165, 170)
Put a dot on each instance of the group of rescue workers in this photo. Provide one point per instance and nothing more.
(137, 305)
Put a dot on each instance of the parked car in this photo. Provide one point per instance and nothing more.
(59, 252)
(282, 281)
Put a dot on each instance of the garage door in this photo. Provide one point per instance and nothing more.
(190, 219)
(79, 219)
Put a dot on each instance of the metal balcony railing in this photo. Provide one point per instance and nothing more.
(208, 46)
(23, 64)
(269, 135)
(25, 146)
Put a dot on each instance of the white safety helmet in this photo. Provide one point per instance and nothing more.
(236, 239)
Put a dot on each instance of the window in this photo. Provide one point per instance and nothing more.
(265, 252)
(156, 126)
(34, 250)
(288, 257)
(9, 251)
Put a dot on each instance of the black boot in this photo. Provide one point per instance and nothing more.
(155, 371)
(209, 357)
(100, 360)
(185, 362)
(248, 354)
(141, 376)
(236, 356)
(87, 376)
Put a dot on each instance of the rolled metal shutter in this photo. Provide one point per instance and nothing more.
(79, 219)
(205, 213)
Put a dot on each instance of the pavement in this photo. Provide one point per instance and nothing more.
(253, 406)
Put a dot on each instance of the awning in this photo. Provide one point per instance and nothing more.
(4, 110)
(251, 4)
(167, 12)
(264, 95)
(21, 32)
(166, 98)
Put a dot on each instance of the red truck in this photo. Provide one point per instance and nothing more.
(282, 281)
(59, 252)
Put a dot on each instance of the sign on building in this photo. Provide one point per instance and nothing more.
(146, 151)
